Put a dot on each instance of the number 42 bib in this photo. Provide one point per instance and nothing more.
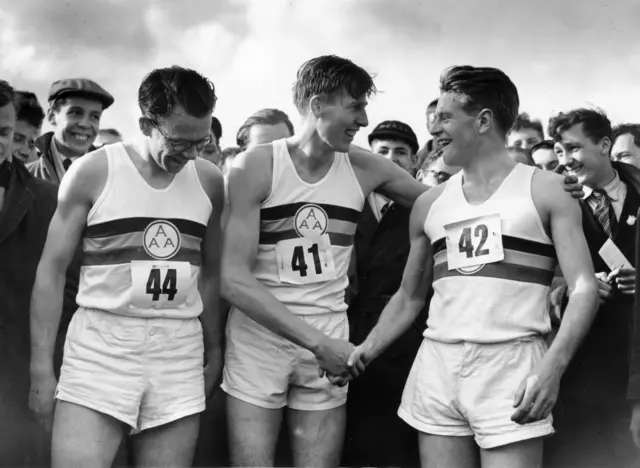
(474, 242)
(305, 260)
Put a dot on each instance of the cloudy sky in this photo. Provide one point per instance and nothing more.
(560, 53)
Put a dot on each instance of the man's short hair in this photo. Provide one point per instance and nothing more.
(523, 122)
(632, 129)
(7, 94)
(216, 128)
(484, 88)
(28, 109)
(164, 88)
(595, 124)
(543, 145)
(262, 117)
(328, 74)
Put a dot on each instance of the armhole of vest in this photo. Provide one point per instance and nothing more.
(355, 179)
(276, 167)
(198, 182)
(532, 205)
(109, 182)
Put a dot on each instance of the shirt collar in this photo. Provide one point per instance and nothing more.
(610, 189)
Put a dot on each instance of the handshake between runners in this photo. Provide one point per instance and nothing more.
(345, 363)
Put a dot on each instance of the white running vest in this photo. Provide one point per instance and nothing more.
(306, 235)
(142, 245)
(493, 264)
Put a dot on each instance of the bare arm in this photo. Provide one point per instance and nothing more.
(406, 304)
(575, 264)
(65, 232)
(212, 317)
(381, 175)
(249, 184)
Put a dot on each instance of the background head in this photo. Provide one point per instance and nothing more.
(525, 133)
(584, 136)
(397, 142)
(264, 126)
(331, 93)
(176, 105)
(75, 110)
(29, 118)
(7, 119)
(626, 144)
(544, 155)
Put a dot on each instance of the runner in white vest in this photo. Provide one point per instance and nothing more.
(487, 242)
(148, 217)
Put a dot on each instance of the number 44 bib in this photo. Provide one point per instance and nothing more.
(474, 242)
(160, 284)
(305, 260)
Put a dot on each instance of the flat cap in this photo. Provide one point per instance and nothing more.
(395, 130)
(80, 87)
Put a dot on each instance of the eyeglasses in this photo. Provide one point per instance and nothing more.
(180, 146)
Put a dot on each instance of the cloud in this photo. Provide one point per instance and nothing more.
(559, 54)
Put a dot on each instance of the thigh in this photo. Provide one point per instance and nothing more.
(83, 437)
(525, 454)
(170, 445)
(253, 433)
(317, 436)
(447, 452)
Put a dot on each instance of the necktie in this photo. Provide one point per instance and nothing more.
(604, 212)
(384, 209)
(5, 174)
(66, 163)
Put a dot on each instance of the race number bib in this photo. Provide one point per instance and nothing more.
(160, 284)
(474, 242)
(305, 260)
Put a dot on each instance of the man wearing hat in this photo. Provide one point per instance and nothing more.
(75, 109)
(375, 435)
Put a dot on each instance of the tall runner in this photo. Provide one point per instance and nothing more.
(148, 217)
(486, 241)
(294, 205)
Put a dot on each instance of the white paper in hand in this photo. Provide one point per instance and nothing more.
(613, 257)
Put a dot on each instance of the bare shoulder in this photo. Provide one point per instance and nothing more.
(210, 177)
(86, 177)
(425, 201)
(547, 191)
(251, 172)
(362, 158)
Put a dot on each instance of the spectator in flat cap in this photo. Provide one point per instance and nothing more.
(397, 142)
(75, 109)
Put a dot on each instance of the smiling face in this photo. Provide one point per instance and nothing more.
(545, 159)
(396, 151)
(455, 130)
(586, 159)
(625, 150)
(76, 121)
(340, 117)
(24, 141)
(177, 138)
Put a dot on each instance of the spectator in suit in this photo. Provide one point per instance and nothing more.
(75, 110)
(26, 207)
(593, 415)
(375, 434)
(28, 125)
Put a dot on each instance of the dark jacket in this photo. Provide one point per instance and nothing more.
(44, 167)
(29, 205)
(599, 371)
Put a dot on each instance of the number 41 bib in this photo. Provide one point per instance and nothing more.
(473, 242)
(305, 260)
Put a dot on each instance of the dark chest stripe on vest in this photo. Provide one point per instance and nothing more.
(289, 210)
(272, 238)
(128, 254)
(129, 225)
(511, 243)
(500, 270)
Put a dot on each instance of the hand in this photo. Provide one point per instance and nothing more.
(635, 424)
(626, 281)
(332, 355)
(571, 183)
(604, 287)
(41, 398)
(360, 358)
(212, 371)
(537, 395)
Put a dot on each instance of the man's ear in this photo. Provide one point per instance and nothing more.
(485, 120)
(145, 126)
(605, 147)
(51, 117)
(317, 104)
